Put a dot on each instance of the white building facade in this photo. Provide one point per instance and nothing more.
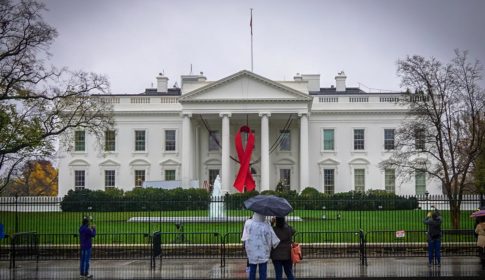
(331, 139)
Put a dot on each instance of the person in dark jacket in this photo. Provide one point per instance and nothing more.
(433, 221)
(86, 233)
(281, 255)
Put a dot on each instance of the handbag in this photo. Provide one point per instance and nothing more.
(296, 256)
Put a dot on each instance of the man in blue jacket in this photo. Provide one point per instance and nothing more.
(86, 233)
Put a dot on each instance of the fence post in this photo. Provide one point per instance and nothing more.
(363, 256)
(16, 213)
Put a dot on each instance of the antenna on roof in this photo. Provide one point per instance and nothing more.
(190, 68)
(151, 85)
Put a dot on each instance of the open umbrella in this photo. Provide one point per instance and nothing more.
(479, 213)
(268, 205)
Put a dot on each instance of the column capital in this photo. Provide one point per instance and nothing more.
(228, 114)
(307, 114)
(186, 114)
(267, 114)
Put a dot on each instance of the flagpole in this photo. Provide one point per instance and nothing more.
(251, 24)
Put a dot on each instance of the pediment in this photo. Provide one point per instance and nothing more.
(139, 162)
(212, 161)
(79, 162)
(169, 162)
(109, 162)
(285, 161)
(328, 161)
(245, 86)
(359, 161)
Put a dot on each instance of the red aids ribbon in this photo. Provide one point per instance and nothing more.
(244, 177)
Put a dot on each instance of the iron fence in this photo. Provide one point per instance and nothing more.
(339, 228)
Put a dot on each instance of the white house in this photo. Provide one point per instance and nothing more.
(329, 138)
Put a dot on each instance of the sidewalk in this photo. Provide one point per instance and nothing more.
(385, 268)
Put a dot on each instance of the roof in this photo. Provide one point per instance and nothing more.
(348, 91)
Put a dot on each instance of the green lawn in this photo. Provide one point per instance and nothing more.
(116, 222)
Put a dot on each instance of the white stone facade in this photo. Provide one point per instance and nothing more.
(163, 135)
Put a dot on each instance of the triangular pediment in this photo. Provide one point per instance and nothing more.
(169, 162)
(109, 162)
(245, 86)
(328, 161)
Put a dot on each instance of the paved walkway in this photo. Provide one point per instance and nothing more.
(385, 268)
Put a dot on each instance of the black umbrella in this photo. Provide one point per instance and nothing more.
(269, 205)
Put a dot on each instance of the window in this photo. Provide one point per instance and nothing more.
(420, 139)
(110, 141)
(139, 140)
(169, 175)
(285, 143)
(328, 139)
(79, 141)
(329, 181)
(214, 140)
(109, 178)
(285, 176)
(389, 139)
(139, 177)
(359, 180)
(390, 180)
(420, 180)
(212, 176)
(170, 140)
(79, 179)
(358, 139)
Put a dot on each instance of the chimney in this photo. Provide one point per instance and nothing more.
(340, 81)
(162, 83)
(313, 81)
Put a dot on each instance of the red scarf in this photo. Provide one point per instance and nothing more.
(244, 176)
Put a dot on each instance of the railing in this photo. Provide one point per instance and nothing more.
(210, 245)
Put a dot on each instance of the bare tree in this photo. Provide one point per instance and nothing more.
(39, 103)
(443, 133)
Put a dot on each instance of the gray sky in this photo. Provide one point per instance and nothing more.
(132, 41)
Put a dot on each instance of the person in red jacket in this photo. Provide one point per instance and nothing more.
(86, 233)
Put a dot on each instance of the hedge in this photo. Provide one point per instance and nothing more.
(154, 199)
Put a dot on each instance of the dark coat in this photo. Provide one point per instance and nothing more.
(86, 235)
(283, 250)
(434, 227)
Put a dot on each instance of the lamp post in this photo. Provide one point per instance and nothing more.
(426, 193)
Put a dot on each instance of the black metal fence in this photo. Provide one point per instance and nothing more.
(38, 228)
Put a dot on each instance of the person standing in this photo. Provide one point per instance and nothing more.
(86, 233)
(480, 231)
(433, 221)
(258, 238)
(281, 255)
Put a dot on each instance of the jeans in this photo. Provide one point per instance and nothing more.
(85, 256)
(262, 271)
(287, 265)
(434, 251)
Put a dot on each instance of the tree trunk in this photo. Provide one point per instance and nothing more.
(455, 214)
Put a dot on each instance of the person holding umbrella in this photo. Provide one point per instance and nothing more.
(480, 231)
(258, 235)
(258, 238)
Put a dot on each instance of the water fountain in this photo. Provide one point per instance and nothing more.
(216, 207)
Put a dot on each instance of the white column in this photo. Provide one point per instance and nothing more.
(304, 156)
(264, 151)
(226, 178)
(186, 150)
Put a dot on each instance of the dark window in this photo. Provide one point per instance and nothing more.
(390, 180)
(79, 141)
(328, 139)
(79, 179)
(285, 143)
(139, 177)
(139, 140)
(329, 181)
(110, 141)
(109, 178)
(285, 177)
(359, 139)
(170, 140)
(420, 138)
(389, 139)
(169, 175)
(214, 141)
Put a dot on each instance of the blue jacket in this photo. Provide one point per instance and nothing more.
(86, 235)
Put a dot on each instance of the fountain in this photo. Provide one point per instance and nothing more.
(216, 207)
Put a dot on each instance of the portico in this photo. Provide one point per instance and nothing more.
(262, 100)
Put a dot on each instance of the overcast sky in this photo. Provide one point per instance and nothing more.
(132, 41)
